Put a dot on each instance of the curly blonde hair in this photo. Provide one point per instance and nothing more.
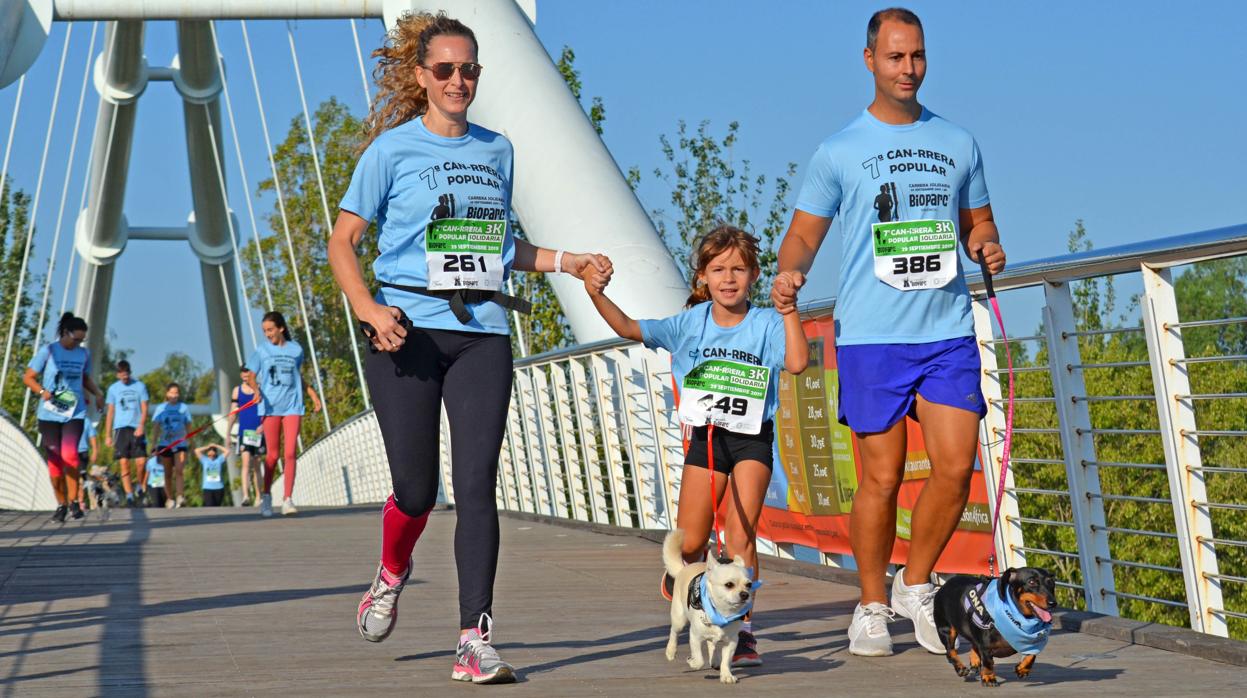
(400, 98)
(714, 243)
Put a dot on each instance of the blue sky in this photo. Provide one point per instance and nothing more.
(1127, 116)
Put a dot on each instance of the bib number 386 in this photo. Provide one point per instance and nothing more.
(464, 253)
(727, 394)
(915, 255)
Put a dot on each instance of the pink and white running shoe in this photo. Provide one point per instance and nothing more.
(378, 610)
(477, 661)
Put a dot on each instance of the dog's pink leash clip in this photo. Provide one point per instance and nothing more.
(1008, 440)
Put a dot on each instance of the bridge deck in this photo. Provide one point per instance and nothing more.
(200, 603)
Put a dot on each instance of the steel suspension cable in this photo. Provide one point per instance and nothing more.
(324, 203)
(8, 146)
(363, 74)
(34, 210)
(285, 223)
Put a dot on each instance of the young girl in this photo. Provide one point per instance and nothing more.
(172, 418)
(721, 336)
(60, 374)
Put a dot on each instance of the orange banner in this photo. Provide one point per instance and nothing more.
(819, 467)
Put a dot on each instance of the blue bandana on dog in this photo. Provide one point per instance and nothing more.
(1026, 635)
(699, 597)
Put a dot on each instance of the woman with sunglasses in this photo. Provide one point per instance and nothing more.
(439, 188)
(60, 375)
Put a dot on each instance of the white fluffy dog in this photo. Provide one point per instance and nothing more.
(711, 598)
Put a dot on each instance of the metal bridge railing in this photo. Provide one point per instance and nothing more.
(24, 484)
(1120, 483)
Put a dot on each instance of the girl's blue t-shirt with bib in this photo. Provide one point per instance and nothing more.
(276, 371)
(127, 400)
(409, 177)
(61, 369)
(872, 173)
(212, 479)
(693, 337)
(174, 420)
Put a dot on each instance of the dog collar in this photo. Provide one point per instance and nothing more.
(1026, 635)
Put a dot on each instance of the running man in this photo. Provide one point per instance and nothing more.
(245, 426)
(904, 333)
(123, 427)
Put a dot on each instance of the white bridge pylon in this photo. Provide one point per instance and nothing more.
(569, 192)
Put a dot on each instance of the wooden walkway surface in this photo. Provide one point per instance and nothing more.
(224, 603)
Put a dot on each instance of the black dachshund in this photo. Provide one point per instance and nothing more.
(999, 617)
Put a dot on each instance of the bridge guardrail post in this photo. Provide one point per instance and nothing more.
(444, 455)
(1170, 377)
(670, 460)
(1009, 537)
(515, 438)
(556, 467)
(531, 424)
(568, 454)
(642, 436)
(1078, 449)
(587, 429)
(607, 408)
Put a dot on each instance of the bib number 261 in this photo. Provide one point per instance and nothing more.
(731, 405)
(464, 263)
(916, 264)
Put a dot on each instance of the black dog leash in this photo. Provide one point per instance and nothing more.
(460, 297)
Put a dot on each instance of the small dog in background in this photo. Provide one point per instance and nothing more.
(1000, 617)
(711, 598)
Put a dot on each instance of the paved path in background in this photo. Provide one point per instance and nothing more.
(224, 603)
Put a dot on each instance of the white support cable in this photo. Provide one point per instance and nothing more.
(242, 168)
(324, 203)
(60, 212)
(34, 211)
(285, 223)
(8, 146)
(363, 74)
(233, 236)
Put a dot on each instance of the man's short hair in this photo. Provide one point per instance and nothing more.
(899, 14)
(123, 365)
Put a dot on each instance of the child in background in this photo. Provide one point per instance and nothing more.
(157, 493)
(212, 460)
(719, 336)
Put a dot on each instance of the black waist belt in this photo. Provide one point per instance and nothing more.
(460, 297)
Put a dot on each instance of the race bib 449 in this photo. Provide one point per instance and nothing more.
(915, 255)
(727, 394)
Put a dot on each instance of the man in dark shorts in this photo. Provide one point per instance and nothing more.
(123, 428)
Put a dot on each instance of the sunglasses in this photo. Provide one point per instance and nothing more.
(443, 71)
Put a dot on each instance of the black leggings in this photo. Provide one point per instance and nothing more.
(469, 372)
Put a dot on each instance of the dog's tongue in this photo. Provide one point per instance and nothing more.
(1042, 613)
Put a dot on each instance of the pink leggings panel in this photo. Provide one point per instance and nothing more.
(60, 444)
(283, 430)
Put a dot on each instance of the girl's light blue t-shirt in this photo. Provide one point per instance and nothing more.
(61, 369)
(212, 468)
(276, 371)
(174, 419)
(693, 337)
(155, 472)
(874, 172)
(408, 177)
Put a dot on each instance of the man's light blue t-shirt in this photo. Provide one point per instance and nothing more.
(276, 371)
(88, 431)
(62, 369)
(173, 419)
(871, 172)
(212, 478)
(693, 337)
(408, 177)
(155, 472)
(127, 400)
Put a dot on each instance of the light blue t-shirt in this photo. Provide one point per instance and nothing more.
(212, 477)
(408, 177)
(155, 472)
(693, 336)
(276, 371)
(872, 172)
(62, 370)
(88, 431)
(127, 400)
(173, 419)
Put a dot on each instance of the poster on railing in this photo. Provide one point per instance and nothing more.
(819, 467)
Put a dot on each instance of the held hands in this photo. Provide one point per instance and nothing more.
(784, 291)
(388, 334)
(596, 282)
(991, 252)
(579, 265)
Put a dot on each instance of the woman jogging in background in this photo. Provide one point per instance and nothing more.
(274, 373)
(60, 375)
(250, 436)
(173, 418)
(438, 324)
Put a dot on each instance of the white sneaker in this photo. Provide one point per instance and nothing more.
(181, 502)
(917, 603)
(287, 508)
(169, 504)
(868, 633)
(266, 506)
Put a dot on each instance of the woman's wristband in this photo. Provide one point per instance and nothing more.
(558, 262)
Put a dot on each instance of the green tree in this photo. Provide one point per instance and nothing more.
(14, 219)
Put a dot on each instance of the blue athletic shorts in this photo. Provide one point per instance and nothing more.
(879, 383)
